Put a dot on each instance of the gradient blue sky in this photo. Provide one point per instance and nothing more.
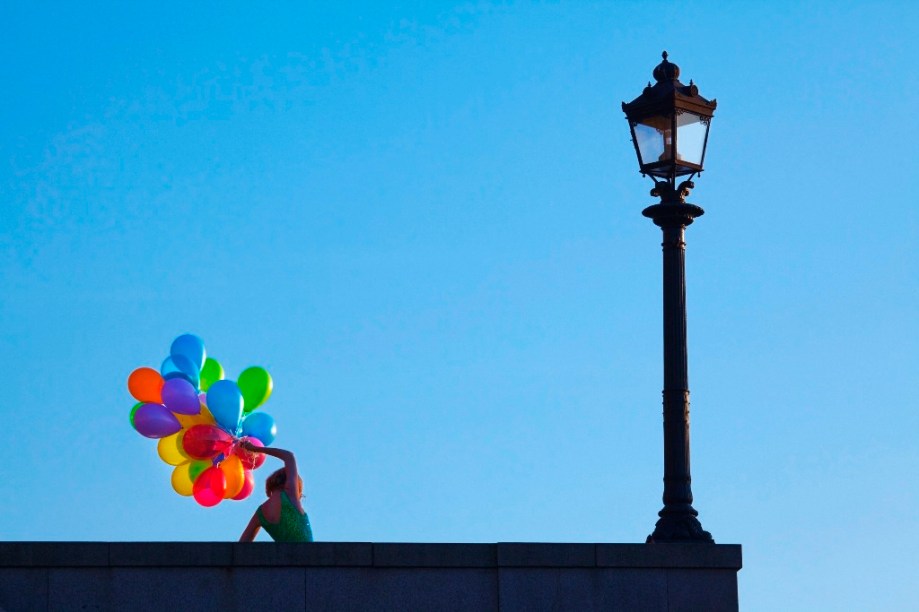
(425, 220)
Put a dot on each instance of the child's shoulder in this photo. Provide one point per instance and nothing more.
(271, 509)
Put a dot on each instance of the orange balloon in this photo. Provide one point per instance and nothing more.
(146, 385)
(232, 468)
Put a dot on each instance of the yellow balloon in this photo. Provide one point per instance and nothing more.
(187, 420)
(170, 449)
(202, 418)
(181, 480)
(207, 417)
(184, 475)
(233, 469)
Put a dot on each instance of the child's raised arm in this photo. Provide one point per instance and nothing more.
(290, 465)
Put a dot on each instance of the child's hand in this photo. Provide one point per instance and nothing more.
(252, 448)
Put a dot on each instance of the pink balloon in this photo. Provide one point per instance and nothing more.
(155, 421)
(248, 486)
(250, 460)
(210, 486)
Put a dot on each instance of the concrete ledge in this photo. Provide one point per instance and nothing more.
(434, 555)
(314, 554)
(164, 554)
(547, 555)
(366, 554)
(687, 556)
(54, 554)
(503, 577)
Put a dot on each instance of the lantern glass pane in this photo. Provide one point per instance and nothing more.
(691, 130)
(654, 139)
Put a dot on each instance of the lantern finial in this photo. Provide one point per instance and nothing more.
(665, 71)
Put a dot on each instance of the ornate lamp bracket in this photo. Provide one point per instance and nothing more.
(670, 194)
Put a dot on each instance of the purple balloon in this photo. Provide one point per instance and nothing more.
(155, 421)
(180, 396)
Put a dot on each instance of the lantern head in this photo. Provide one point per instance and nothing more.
(669, 123)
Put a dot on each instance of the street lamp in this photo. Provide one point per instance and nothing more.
(669, 123)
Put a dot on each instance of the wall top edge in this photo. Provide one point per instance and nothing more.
(369, 554)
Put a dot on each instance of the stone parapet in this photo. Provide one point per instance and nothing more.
(367, 576)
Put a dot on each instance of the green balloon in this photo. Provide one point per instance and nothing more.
(255, 385)
(134, 411)
(196, 467)
(211, 373)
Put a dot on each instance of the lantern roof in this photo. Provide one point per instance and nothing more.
(668, 95)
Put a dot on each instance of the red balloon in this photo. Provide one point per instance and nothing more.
(210, 486)
(205, 441)
(250, 460)
(248, 486)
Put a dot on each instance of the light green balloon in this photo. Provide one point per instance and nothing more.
(211, 373)
(255, 385)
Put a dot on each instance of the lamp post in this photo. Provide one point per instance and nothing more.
(669, 122)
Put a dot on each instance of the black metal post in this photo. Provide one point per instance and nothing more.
(678, 522)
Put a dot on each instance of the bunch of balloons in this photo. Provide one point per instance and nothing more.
(201, 419)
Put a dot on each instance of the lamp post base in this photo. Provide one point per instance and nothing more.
(679, 526)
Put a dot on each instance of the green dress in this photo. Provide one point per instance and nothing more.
(293, 526)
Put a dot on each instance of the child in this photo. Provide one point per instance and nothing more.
(282, 516)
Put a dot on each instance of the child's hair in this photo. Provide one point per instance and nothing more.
(277, 481)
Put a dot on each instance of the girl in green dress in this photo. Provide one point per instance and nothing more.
(282, 515)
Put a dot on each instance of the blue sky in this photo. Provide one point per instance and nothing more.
(424, 219)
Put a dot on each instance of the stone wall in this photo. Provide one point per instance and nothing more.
(223, 577)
